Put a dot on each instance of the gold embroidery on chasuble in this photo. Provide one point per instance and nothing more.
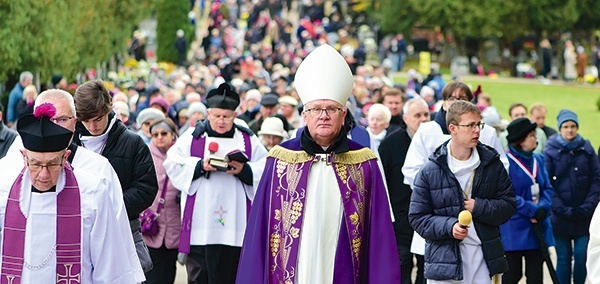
(351, 172)
(288, 167)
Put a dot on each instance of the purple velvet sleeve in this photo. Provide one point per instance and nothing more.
(384, 262)
(253, 266)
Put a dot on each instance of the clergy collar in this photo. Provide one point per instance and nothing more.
(340, 144)
(212, 133)
(33, 189)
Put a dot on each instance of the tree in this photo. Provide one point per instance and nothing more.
(395, 16)
(552, 15)
(64, 36)
(171, 15)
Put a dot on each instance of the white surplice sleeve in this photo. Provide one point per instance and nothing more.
(490, 138)
(593, 252)
(107, 245)
(257, 165)
(98, 165)
(417, 154)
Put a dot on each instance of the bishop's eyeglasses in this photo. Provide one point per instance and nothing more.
(314, 112)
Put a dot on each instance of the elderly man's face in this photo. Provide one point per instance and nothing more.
(44, 168)
(324, 120)
(27, 82)
(64, 114)
(221, 120)
(417, 114)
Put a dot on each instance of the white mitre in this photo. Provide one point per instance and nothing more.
(324, 74)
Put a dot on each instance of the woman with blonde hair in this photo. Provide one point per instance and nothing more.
(25, 105)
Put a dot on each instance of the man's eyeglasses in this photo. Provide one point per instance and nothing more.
(35, 167)
(225, 119)
(318, 111)
(156, 134)
(61, 120)
(473, 125)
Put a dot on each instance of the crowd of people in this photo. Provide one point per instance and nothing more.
(292, 156)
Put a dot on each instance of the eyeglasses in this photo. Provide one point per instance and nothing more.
(50, 167)
(61, 120)
(156, 134)
(473, 125)
(461, 98)
(318, 111)
(225, 119)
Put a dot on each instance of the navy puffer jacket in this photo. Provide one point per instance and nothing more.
(437, 199)
(575, 176)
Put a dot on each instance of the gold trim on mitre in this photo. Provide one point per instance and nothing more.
(355, 156)
(289, 156)
(324, 74)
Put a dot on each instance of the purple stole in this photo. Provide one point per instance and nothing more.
(197, 150)
(68, 235)
(288, 191)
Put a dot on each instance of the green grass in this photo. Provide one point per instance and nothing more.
(579, 98)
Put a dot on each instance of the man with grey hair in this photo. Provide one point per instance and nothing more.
(25, 79)
(392, 152)
(86, 160)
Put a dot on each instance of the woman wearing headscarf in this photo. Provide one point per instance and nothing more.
(533, 192)
(574, 169)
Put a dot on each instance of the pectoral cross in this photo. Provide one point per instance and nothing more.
(68, 277)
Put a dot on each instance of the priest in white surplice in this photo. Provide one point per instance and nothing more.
(215, 202)
(58, 223)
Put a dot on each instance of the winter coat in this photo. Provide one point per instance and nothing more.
(392, 153)
(575, 177)
(169, 221)
(132, 161)
(437, 199)
(518, 233)
(7, 137)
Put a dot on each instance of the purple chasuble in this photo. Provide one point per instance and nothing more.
(68, 233)
(197, 150)
(366, 251)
